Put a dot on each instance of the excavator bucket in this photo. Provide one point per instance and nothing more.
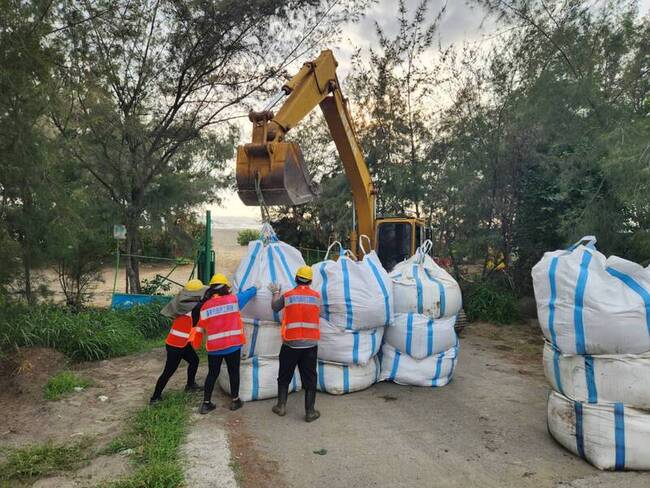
(277, 170)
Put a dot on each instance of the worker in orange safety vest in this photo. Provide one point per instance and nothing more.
(300, 335)
(181, 342)
(224, 330)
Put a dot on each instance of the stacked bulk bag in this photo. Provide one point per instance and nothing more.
(268, 260)
(258, 379)
(357, 304)
(420, 345)
(338, 379)
(262, 339)
(595, 314)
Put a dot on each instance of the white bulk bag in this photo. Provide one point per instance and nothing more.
(420, 336)
(436, 370)
(338, 379)
(614, 437)
(621, 378)
(587, 304)
(267, 261)
(258, 379)
(348, 346)
(355, 295)
(421, 286)
(262, 339)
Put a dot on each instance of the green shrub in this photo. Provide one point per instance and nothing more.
(62, 383)
(247, 235)
(91, 334)
(490, 302)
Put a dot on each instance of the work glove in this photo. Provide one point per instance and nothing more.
(274, 288)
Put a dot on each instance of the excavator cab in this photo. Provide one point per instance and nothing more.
(397, 239)
(272, 172)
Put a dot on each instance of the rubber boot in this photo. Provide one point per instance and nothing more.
(311, 413)
(280, 408)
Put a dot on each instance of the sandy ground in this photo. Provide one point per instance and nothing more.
(224, 242)
(487, 428)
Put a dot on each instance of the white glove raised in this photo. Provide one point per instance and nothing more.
(274, 288)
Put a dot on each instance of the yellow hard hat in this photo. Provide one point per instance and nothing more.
(219, 279)
(305, 273)
(194, 285)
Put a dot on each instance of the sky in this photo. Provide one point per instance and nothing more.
(460, 23)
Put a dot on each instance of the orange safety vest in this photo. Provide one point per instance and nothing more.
(301, 319)
(182, 332)
(222, 323)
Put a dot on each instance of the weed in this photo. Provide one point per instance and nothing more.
(44, 459)
(238, 471)
(155, 435)
(91, 334)
(62, 383)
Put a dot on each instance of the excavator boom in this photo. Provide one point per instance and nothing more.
(273, 171)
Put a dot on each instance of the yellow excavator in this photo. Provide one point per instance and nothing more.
(272, 171)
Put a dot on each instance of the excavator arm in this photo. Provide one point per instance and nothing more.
(272, 171)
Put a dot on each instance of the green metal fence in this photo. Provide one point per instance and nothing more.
(313, 256)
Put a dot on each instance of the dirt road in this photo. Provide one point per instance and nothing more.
(487, 428)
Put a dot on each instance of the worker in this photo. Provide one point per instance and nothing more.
(300, 335)
(220, 317)
(179, 342)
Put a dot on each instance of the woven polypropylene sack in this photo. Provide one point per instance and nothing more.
(612, 437)
(263, 338)
(421, 286)
(420, 336)
(258, 379)
(436, 370)
(348, 346)
(355, 295)
(620, 378)
(339, 379)
(587, 304)
(267, 261)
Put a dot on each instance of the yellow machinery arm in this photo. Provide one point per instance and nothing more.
(273, 170)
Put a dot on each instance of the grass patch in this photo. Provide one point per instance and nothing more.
(155, 435)
(238, 471)
(63, 383)
(41, 460)
(88, 335)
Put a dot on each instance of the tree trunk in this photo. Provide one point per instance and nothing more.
(132, 247)
(27, 266)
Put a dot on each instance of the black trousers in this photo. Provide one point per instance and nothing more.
(305, 359)
(174, 357)
(214, 367)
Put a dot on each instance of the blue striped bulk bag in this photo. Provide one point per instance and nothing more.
(421, 286)
(258, 379)
(609, 436)
(263, 338)
(356, 295)
(432, 371)
(339, 379)
(348, 346)
(615, 378)
(587, 304)
(420, 336)
(268, 260)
